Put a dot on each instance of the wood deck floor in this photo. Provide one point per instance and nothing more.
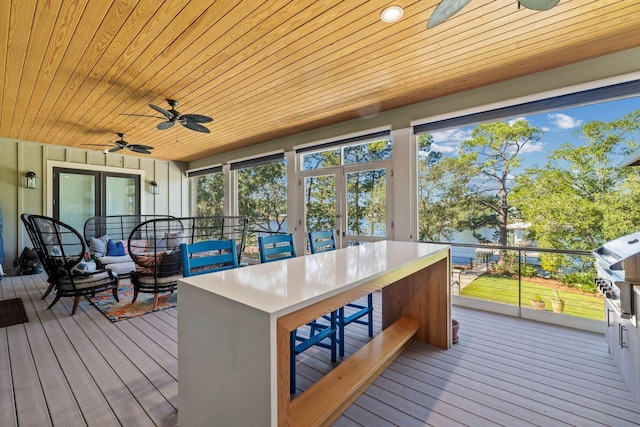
(84, 370)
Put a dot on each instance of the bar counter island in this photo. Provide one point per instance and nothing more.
(234, 327)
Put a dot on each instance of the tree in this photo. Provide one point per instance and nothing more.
(442, 192)
(210, 195)
(366, 190)
(582, 197)
(494, 152)
(262, 196)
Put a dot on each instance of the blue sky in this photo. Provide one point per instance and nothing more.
(558, 126)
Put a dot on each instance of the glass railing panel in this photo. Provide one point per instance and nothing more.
(536, 278)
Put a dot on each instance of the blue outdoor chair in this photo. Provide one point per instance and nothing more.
(322, 241)
(278, 247)
(208, 256)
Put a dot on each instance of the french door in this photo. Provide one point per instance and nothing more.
(353, 200)
(80, 194)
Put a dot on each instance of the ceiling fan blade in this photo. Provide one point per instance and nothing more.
(142, 115)
(194, 126)
(539, 4)
(445, 10)
(165, 125)
(196, 118)
(135, 147)
(139, 150)
(94, 145)
(164, 112)
(114, 149)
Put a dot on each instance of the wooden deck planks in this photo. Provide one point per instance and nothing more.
(61, 403)
(85, 370)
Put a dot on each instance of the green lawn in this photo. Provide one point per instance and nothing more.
(504, 289)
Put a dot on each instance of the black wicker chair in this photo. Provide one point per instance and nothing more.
(154, 246)
(64, 252)
(39, 250)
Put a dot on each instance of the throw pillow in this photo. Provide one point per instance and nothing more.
(115, 248)
(173, 240)
(83, 267)
(170, 264)
(98, 246)
(139, 246)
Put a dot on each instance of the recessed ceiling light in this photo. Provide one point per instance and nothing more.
(391, 14)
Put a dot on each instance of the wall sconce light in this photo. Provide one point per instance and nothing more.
(154, 188)
(30, 180)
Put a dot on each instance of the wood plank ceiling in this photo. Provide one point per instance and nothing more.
(267, 69)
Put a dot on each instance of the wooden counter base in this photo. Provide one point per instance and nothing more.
(323, 402)
(415, 304)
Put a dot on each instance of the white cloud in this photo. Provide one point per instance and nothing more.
(451, 136)
(564, 121)
(533, 148)
(442, 148)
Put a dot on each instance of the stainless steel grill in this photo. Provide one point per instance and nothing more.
(618, 267)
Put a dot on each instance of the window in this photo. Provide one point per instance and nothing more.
(210, 194)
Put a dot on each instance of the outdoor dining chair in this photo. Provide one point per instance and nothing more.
(208, 256)
(322, 241)
(279, 247)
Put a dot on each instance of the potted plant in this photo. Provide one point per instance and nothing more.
(538, 303)
(455, 326)
(557, 304)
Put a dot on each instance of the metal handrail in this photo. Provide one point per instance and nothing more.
(512, 248)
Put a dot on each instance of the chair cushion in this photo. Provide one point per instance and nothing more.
(83, 282)
(150, 280)
(105, 260)
(121, 268)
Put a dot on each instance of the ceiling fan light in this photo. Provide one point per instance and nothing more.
(539, 4)
(391, 14)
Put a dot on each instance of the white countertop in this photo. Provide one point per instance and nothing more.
(282, 286)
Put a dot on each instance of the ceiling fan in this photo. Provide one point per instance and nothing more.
(190, 121)
(447, 8)
(122, 144)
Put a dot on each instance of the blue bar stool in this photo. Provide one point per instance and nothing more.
(322, 241)
(278, 247)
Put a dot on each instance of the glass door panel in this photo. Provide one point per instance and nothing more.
(77, 198)
(366, 201)
(120, 195)
(321, 203)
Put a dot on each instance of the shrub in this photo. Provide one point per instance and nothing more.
(528, 270)
(581, 280)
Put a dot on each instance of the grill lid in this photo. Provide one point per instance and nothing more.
(622, 255)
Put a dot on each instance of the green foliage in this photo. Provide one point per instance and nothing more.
(581, 197)
(581, 280)
(366, 190)
(470, 191)
(528, 270)
(210, 195)
(262, 196)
